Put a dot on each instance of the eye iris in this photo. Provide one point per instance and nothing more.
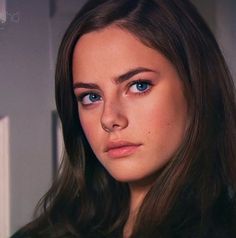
(142, 86)
(93, 97)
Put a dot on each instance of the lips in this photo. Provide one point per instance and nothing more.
(121, 149)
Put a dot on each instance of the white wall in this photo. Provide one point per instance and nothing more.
(28, 47)
(226, 31)
(26, 97)
(221, 18)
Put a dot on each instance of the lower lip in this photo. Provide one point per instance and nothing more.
(123, 151)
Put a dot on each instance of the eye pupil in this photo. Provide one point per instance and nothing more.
(93, 97)
(142, 86)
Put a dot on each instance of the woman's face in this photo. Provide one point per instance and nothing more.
(131, 103)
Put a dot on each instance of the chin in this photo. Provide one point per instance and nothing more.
(124, 177)
(128, 177)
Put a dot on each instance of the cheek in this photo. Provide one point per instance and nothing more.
(161, 114)
(91, 126)
(170, 126)
(163, 121)
(88, 127)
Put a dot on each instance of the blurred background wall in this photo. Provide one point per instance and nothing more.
(28, 46)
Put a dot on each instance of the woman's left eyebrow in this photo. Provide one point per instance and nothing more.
(120, 79)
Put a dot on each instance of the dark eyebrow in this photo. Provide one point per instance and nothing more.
(86, 85)
(131, 73)
(117, 80)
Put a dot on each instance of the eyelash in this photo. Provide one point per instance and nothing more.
(141, 81)
(83, 95)
(148, 83)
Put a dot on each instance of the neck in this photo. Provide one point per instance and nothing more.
(138, 191)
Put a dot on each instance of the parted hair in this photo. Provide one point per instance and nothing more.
(194, 194)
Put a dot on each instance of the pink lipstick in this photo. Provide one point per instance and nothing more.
(121, 149)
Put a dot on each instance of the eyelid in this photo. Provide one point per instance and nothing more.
(147, 81)
(85, 92)
(81, 96)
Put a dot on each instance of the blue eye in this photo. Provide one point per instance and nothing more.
(90, 98)
(140, 86)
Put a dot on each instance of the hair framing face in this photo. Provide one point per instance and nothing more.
(194, 182)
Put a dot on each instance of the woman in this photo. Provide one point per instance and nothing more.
(148, 112)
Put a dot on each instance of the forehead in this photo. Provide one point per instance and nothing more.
(112, 51)
(110, 38)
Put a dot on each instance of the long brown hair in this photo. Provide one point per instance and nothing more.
(194, 195)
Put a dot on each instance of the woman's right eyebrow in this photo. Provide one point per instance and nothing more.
(85, 85)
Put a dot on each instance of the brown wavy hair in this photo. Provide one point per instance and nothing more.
(194, 195)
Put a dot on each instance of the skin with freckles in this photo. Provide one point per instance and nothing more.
(131, 104)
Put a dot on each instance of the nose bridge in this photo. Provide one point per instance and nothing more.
(113, 115)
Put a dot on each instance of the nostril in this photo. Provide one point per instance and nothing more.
(105, 128)
(115, 125)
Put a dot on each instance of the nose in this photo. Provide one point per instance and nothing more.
(113, 117)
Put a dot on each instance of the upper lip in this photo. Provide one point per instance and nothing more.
(118, 144)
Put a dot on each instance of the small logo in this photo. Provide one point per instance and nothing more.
(11, 17)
